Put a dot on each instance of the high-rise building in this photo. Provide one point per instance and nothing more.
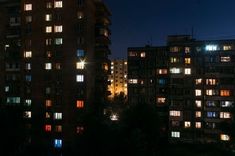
(118, 77)
(55, 65)
(193, 80)
(148, 80)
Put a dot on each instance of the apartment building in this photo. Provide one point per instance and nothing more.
(199, 86)
(55, 65)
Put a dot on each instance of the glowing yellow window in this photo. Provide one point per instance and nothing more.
(224, 137)
(187, 60)
(187, 124)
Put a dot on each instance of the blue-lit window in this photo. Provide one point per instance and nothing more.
(58, 143)
(211, 114)
(212, 47)
(80, 53)
(161, 81)
(28, 78)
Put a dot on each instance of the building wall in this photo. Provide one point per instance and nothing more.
(62, 67)
(118, 77)
(194, 80)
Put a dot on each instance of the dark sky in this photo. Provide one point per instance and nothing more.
(135, 22)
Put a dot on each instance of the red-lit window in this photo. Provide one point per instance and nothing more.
(80, 129)
(224, 92)
(80, 103)
(48, 128)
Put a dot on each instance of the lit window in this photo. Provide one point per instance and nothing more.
(198, 114)
(11, 100)
(80, 14)
(187, 124)
(48, 54)
(227, 47)
(175, 70)
(58, 4)
(212, 47)
(80, 53)
(224, 92)
(49, 5)
(48, 41)
(175, 134)
(211, 114)
(7, 88)
(28, 78)
(48, 115)
(132, 54)
(161, 100)
(226, 103)
(142, 54)
(48, 128)
(161, 81)
(174, 113)
(58, 66)
(224, 137)
(58, 116)
(187, 71)
(28, 102)
(225, 115)
(174, 60)
(58, 28)
(28, 7)
(48, 29)
(48, 17)
(161, 71)
(198, 103)
(198, 92)
(133, 81)
(28, 66)
(58, 128)
(211, 92)
(27, 54)
(48, 103)
(198, 81)
(80, 78)
(80, 103)
(187, 60)
(225, 59)
(174, 49)
(187, 50)
(27, 114)
(58, 41)
(211, 81)
(80, 129)
(58, 143)
(48, 66)
(198, 124)
(80, 65)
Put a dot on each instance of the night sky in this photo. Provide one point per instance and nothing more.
(141, 22)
